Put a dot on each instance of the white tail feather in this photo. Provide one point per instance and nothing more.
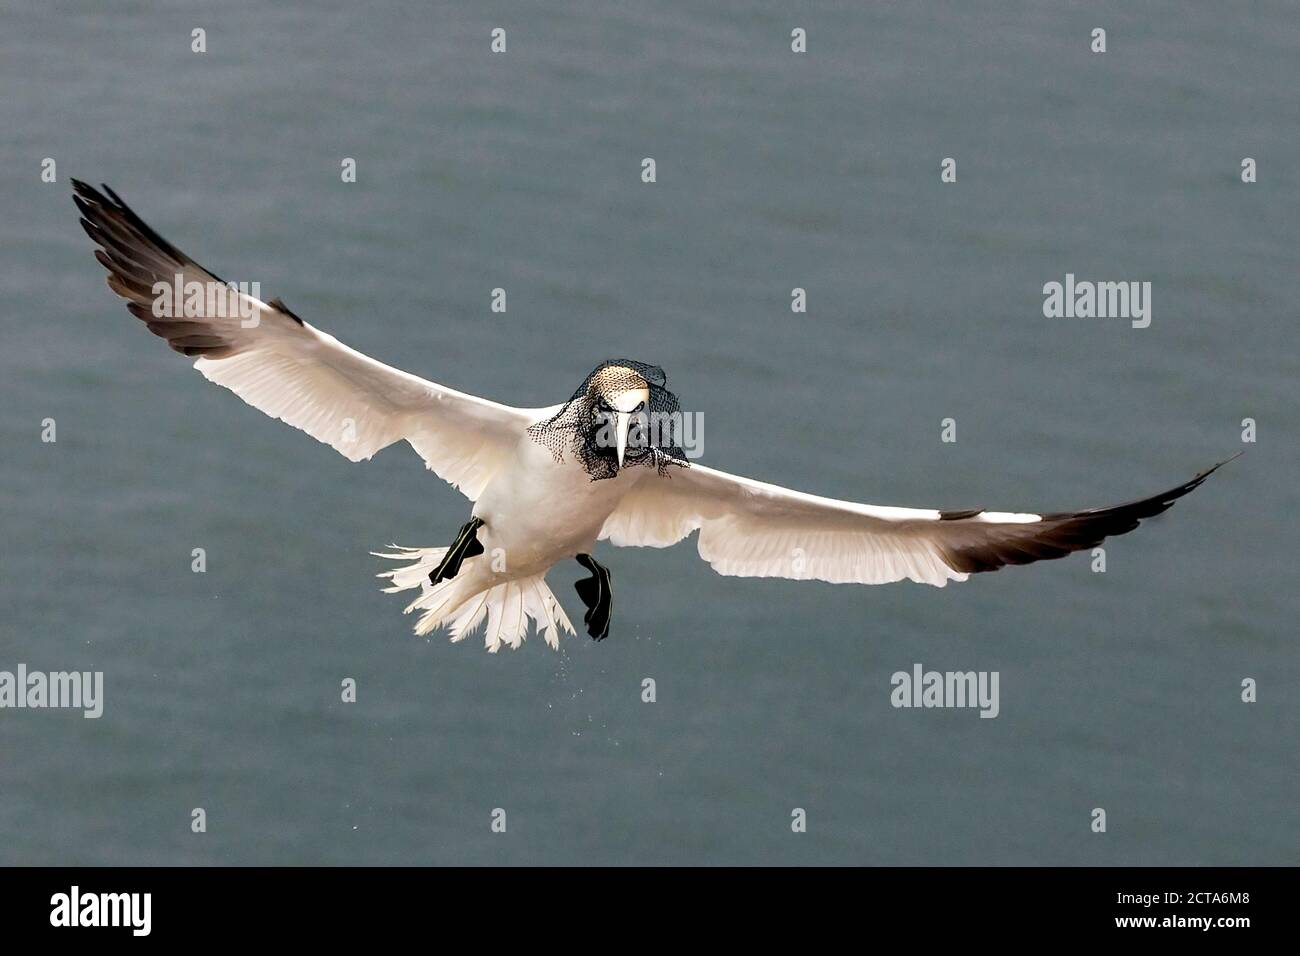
(461, 603)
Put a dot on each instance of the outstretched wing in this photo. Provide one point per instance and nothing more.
(279, 364)
(751, 529)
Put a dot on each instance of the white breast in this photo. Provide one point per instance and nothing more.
(539, 511)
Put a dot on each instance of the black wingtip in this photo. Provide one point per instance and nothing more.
(1196, 482)
(111, 206)
(1216, 467)
(1064, 532)
(83, 192)
(108, 191)
(1153, 504)
(82, 188)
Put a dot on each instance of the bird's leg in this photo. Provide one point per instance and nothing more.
(598, 595)
(465, 546)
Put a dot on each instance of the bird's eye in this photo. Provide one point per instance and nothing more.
(640, 407)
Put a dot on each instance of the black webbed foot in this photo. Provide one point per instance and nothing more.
(465, 546)
(597, 593)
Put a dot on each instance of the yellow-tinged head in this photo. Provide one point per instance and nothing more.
(626, 393)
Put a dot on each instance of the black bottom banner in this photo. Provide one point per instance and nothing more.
(340, 905)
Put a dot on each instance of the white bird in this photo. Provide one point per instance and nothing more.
(548, 483)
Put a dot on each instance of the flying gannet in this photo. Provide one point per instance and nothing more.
(548, 483)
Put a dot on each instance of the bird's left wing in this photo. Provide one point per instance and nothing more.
(752, 529)
(284, 367)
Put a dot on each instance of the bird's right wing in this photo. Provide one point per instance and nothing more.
(752, 529)
(284, 367)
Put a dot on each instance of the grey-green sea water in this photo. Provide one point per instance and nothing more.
(775, 170)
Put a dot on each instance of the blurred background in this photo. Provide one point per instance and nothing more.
(775, 170)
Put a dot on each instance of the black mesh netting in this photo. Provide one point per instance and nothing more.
(583, 427)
